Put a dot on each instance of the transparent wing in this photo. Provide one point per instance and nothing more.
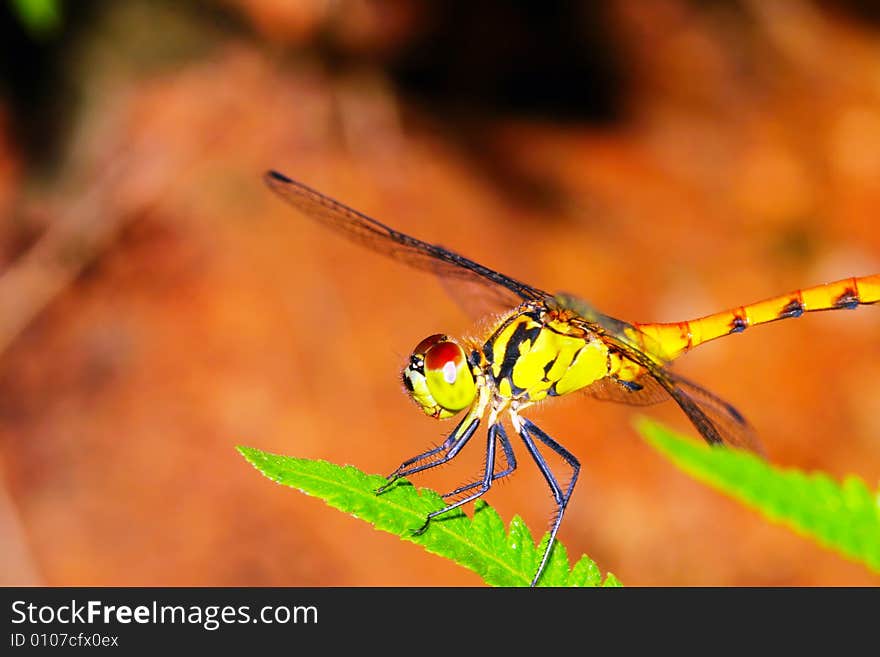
(378, 237)
(477, 299)
(715, 419)
(701, 405)
(649, 392)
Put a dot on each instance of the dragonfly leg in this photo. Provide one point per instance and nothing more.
(485, 484)
(527, 430)
(451, 446)
(509, 457)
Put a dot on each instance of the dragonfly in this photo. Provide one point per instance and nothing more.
(541, 345)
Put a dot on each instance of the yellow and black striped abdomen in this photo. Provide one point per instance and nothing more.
(676, 338)
(530, 360)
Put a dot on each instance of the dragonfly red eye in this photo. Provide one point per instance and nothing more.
(426, 344)
(443, 356)
(438, 377)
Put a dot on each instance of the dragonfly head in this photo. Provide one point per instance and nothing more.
(438, 377)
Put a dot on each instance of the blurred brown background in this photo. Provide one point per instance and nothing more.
(160, 306)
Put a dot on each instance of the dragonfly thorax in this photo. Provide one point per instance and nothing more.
(534, 355)
(438, 377)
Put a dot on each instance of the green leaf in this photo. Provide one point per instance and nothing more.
(42, 18)
(501, 558)
(842, 516)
